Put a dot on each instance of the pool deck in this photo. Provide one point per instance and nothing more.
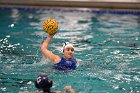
(105, 4)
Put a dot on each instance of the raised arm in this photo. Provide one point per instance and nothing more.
(47, 53)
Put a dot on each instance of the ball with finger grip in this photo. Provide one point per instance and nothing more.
(50, 26)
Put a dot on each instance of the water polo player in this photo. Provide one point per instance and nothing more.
(44, 84)
(67, 62)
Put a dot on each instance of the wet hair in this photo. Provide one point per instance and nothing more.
(43, 83)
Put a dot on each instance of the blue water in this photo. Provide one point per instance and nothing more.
(107, 42)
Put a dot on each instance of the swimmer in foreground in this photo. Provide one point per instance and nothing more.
(44, 84)
(67, 62)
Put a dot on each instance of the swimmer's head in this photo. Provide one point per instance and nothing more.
(67, 44)
(42, 82)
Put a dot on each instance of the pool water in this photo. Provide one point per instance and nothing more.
(108, 43)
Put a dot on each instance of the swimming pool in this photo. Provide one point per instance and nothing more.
(107, 41)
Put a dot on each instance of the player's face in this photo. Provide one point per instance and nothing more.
(68, 52)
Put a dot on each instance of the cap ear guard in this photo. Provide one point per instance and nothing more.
(64, 44)
(37, 85)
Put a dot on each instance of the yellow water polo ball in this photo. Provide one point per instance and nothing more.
(50, 26)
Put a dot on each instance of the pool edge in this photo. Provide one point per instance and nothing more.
(78, 4)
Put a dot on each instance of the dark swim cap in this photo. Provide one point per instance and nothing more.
(43, 82)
